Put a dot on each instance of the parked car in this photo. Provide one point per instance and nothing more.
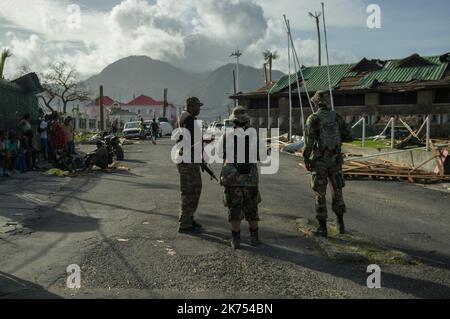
(132, 130)
(163, 119)
(165, 128)
(228, 124)
(215, 129)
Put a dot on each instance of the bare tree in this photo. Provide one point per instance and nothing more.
(269, 56)
(48, 96)
(62, 82)
(6, 53)
(316, 16)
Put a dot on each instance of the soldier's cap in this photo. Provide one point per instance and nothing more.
(192, 101)
(240, 115)
(321, 98)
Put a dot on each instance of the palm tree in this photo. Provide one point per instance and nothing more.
(270, 56)
(316, 15)
(6, 53)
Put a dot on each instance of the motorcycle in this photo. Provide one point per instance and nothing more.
(113, 147)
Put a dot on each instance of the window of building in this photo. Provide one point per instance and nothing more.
(349, 100)
(442, 96)
(82, 124)
(376, 119)
(398, 98)
(92, 124)
(296, 104)
(435, 119)
(261, 103)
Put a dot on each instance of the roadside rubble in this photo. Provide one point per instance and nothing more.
(357, 166)
(387, 170)
(115, 166)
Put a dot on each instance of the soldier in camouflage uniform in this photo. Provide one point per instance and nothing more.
(241, 180)
(190, 175)
(325, 132)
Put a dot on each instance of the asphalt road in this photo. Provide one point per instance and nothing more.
(120, 228)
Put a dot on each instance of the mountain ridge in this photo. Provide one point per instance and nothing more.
(135, 75)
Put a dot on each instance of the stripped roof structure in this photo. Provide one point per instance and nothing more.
(367, 75)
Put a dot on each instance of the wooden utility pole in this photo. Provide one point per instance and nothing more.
(165, 103)
(237, 54)
(235, 89)
(316, 16)
(102, 110)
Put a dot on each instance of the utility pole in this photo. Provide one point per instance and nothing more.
(328, 56)
(316, 15)
(235, 89)
(165, 103)
(102, 111)
(237, 54)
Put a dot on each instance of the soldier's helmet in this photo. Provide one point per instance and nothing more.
(321, 99)
(240, 116)
(193, 101)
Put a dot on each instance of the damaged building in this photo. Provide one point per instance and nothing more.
(17, 98)
(411, 89)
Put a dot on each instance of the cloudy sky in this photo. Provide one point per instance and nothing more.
(200, 34)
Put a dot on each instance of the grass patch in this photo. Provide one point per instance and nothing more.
(353, 248)
(372, 144)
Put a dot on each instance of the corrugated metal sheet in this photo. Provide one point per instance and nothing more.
(316, 77)
(391, 74)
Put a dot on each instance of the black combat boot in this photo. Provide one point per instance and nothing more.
(196, 225)
(236, 241)
(322, 231)
(341, 224)
(254, 238)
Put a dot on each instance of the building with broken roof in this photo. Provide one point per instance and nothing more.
(17, 98)
(414, 87)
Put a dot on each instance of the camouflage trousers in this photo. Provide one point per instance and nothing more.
(191, 189)
(319, 182)
(242, 202)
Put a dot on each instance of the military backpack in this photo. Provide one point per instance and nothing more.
(330, 134)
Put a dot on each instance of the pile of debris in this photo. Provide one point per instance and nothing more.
(388, 170)
(283, 144)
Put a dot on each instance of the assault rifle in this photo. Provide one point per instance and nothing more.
(205, 168)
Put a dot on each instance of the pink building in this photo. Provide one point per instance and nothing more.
(143, 106)
(148, 108)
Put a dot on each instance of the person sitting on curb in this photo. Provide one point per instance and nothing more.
(97, 158)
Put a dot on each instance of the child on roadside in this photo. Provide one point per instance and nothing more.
(22, 150)
(3, 154)
(13, 152)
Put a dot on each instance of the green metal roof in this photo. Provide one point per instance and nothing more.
(316, 78)
(393, 74)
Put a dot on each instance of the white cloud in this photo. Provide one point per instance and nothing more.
(196, 34)
(339, 13)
